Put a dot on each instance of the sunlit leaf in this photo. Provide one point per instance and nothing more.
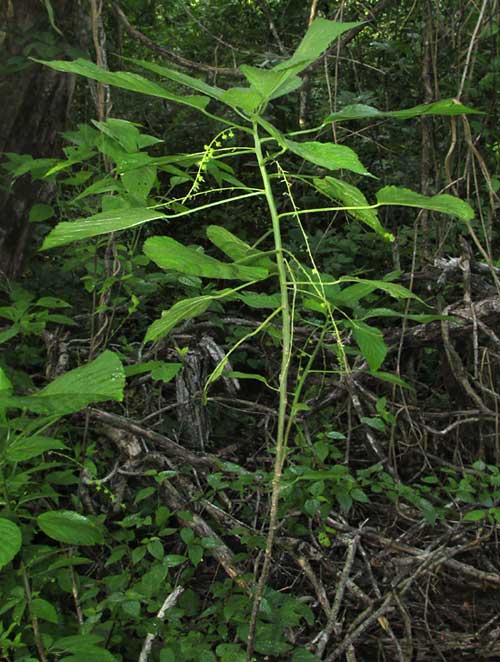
(181, 311)
(328, 155)
(100, 380)
(245, 98)
(123, 79)
(317, 39)
(182, 78)
(238, 250)
(102, 223)
(444, 203)
(351, 196)
(361, 111)
(270, 83)
(168, 253)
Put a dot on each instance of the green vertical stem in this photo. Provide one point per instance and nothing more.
(283, 392)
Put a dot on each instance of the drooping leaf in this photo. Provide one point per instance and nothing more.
(77, 643)
(45, 610)
(69, 527)
(392, 379)
(11, 540)
(328, 155)
(361, 111)
(125, 80)
(256, 300)
(168, 253)
(351, 196)
(50, 14)
(102, 223)
(370, 342)
(237, 249)
(25, 448)
(444, 203)
(350, 296)
(182, 78)
(40, 212)
(179, 312)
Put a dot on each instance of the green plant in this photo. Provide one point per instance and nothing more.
(267, 273)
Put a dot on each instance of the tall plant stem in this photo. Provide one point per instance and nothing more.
(280, 450)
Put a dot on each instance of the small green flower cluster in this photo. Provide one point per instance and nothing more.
(208, 155)
(99, 487)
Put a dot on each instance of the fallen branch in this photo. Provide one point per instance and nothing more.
(168, 604)
(168, 54)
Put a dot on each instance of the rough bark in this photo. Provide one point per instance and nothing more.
(33, 112)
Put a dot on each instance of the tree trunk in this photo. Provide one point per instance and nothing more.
(34, 110)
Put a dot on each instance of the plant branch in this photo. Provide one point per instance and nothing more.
(280, 450)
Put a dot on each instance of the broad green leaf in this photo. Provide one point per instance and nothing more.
(423, 318)
(270, 83)
(103, 378)
(92, 653)
(140, 181)
(11, 540)
(236, 374)
(238, 250)
(232, 653)
(141, 368)
(303, 655)
(181, 311)
(77, 643)
(317, 39)
(269, 639)
(245, 98)
(350, 296)
(373, 422)
(104, 185)
(168, 253)
(475, 515)
(40, 212)
(125, 80)
(360, 111)
(69, 527)
(351, 196)
(44, 610)
(392, 379)
(182, 78)
(328, 155)
(445, 204)
(52, 302)
(26, 448)
(5, 383)
(255, 300)
(370, 342)
(100, 380)
(166, 372)
(102, 223)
